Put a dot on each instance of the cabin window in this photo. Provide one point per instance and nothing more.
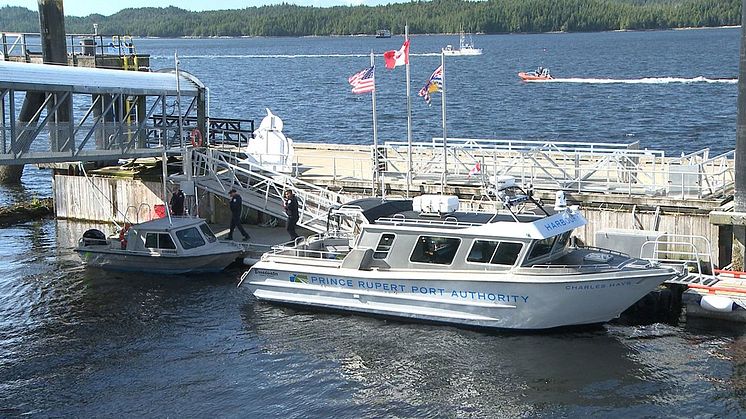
(384, 246)
(165, 241)
(208, 233)
(562, 241)
(507, 253)
(151, 241)
(190, 238)
(542, 248)
(438, 250)
(481, 251)
(498, 253)
(159, 241)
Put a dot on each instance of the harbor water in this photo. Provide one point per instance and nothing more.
(78, 342)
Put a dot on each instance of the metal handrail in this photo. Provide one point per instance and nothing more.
(314, 202)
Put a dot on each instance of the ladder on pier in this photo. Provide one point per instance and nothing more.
(261, 188)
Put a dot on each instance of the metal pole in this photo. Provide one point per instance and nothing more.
(165, 187)
(443, 112)
(178, 100)
(375, 128)
(739, 198)
(409, 120)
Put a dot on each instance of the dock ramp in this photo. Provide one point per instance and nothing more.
(262, 188)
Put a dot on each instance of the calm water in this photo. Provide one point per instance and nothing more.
(85, 343)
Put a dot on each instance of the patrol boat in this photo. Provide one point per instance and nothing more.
(424, 260)
(179, 245)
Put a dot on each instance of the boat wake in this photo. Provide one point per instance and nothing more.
(286, 56)
(645, 80)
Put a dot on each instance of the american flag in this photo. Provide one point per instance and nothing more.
(364, 81)
(434, 84)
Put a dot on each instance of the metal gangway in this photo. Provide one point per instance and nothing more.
(583, 167)
(261, 188)
(51, 113)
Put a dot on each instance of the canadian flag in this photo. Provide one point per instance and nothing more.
(475, 170)
(396, 58)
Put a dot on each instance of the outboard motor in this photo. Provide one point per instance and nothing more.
(94, 237)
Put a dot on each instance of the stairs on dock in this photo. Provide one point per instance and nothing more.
(261, 188)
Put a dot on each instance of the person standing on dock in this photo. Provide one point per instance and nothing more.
(236, 205)
(177, 201)
(290, 203)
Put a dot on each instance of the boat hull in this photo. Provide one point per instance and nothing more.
(463, 52)
(157, 264)
(533, 77)
(502, 301)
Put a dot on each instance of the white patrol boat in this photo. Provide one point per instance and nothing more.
(179, 245)
(424, 260)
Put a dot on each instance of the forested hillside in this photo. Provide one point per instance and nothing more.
(436, 16)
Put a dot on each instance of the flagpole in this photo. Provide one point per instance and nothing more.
(409, 118)
(375, 130)
(443, 112)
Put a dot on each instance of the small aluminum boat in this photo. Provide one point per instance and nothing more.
(180, 245)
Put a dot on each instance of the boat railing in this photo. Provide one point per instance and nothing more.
(689, 253)
(602, 250)
(319, 246)
(577, 267)
(450, 222)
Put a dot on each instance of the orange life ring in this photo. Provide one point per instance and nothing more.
(196, 138)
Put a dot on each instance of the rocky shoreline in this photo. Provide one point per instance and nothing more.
(35, 209)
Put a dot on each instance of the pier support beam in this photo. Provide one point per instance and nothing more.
(739, 199)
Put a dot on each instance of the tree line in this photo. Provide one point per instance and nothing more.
(435, 16)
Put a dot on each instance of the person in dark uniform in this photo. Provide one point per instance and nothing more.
(177, 201)
(290, 203)
(236, 205)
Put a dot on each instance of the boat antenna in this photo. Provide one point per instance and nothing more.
(165, 188)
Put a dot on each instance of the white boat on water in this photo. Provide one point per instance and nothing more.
(424, 260)
(180, 245)
(466, 47)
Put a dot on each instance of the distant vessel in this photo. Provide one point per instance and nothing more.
(466, 47)
(383, 33)
(540, 73)
(423, 259)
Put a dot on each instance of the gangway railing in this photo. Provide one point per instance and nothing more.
(220, 131)
(263, 188)
(25, 44)
(690, 253)
(571, 166)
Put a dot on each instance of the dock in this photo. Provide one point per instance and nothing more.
(618, 186)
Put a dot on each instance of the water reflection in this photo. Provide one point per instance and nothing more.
(436, 370)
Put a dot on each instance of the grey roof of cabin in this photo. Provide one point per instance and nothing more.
(376, 208)
(163, 224)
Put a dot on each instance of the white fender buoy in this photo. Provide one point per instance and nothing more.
(716, 303)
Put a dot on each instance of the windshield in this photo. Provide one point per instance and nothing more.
(190, 238)
(208, 233)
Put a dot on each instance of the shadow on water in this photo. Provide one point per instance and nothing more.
(414, 369)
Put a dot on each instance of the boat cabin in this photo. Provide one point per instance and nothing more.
(180, 235)
(394, 235)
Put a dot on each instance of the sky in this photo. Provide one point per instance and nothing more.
(108, 7)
